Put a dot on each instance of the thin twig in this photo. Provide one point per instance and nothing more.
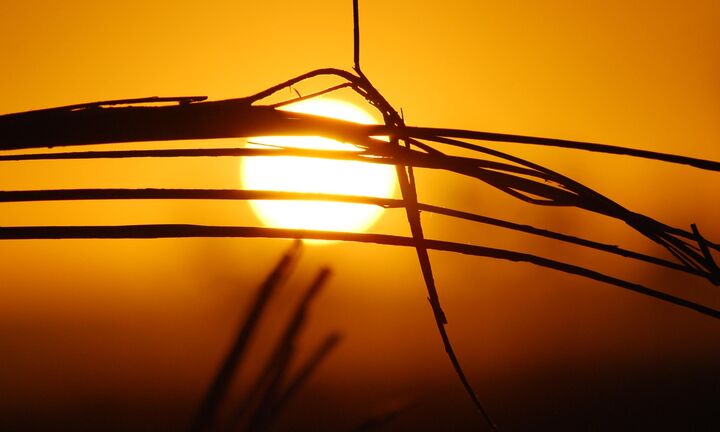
(308, 75)
(356, 36)
(707, 254)
(310, 95)
(132, 101)
(426, 132)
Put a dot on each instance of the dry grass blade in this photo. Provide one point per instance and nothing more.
(238, 118)
(426, 132)
(584, 197)
(192, 231)
(311, 95)
(387, 203)
(263, 393)
(409, 193)
(263, 421)
(707, 254)
(588, 199)
(200, 120)
(406, 181)
(571, 192)
(206, 414)
(356, 35)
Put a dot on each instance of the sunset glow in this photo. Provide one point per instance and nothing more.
(296, 174)
(143, 288)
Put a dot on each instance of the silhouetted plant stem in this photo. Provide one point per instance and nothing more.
(207, 412)
(406, 180)
(465, 166)
(387, 203)
(207, 119)
(356, 35)
(297, 381)
(568, 192)
(427, 132)
(703, 245)
(409, 193)
(190, 231)
(103, 122)
(310, 95)
(263, 393)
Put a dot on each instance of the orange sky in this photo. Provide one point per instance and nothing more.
(130, 327)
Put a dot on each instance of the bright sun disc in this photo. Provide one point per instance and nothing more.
(299, 174)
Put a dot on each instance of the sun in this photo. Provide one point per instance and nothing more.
(299, 174)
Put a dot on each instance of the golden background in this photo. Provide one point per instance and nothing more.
(125, 334)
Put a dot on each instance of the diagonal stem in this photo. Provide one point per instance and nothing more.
(409, 194)
(207, 412)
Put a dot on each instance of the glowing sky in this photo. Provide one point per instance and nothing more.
(138, 326)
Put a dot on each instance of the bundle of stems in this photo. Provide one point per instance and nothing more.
(275, 385)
